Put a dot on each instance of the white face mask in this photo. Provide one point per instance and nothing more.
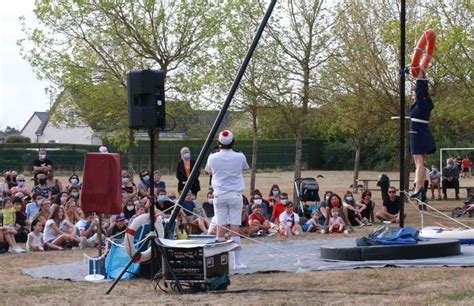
(210, 200)
(284, 201)
(130, 207)
(257, 201)
(63, 200)
(136, 202)
(42, 156)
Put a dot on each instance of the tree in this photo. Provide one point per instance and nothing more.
(17, 139)
(86, 48)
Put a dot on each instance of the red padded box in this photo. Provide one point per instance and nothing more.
(101, 190)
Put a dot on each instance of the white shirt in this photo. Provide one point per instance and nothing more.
(226, 167)
(289, 219)
(49, 233)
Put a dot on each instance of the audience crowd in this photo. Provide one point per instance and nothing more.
(47, 215)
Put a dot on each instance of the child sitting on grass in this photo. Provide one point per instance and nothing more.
(35, 240)
(9, 229)
(289, 221)
(336, 224)
(312, 225)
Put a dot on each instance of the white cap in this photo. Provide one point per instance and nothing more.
(226, 137)
(103, 149)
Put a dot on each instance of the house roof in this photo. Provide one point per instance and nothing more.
(43, 117)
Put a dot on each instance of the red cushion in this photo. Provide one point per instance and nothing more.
(101, 190)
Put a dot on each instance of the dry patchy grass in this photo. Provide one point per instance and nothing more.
(409, 286)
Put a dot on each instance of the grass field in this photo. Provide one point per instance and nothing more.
(394, 286)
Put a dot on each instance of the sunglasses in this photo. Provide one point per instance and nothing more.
(392, 191)
(21, 180)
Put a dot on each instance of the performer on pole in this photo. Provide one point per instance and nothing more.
(421, 140)
(226, 167)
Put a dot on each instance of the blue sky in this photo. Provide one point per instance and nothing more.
(20, 92)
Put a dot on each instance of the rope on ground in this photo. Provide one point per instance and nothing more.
(436, 210)
(298, 256)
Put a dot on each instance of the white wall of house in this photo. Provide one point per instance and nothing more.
(30, 129)
(63, 134)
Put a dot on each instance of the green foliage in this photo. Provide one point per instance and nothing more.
(17, 139)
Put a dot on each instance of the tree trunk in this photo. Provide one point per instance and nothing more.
(358, 149)
(130, 153)
(254, 151)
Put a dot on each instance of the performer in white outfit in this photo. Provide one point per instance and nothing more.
(226, 167)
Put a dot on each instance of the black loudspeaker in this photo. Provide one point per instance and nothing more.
(146, 99)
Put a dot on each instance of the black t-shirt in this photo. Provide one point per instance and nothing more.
(209, 209)
(165, 205)
(41, 163)
(393, 207)
(115, 230)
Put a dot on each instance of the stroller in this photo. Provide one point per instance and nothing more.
(307, 190)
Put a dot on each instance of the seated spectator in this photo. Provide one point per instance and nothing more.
(189, 204)
(73, 183)
(244, 228)
(256, 198)
(119, 227)
(368, 211)
(9, 229)
(164, 205)
(259, 221)
(354, 210)
(143, 186)
(44, 212)
(35, 241)
(435, 181)
(274, 196)
(141, 209)
(209, 205)
(87, 227)
(390, 211)
(128, 186)
(21, 224)
(71, 211)
(60, 198)
(33, 207)
(199, 219)
(42, 187)
(313, 225)
(278, 206)
(21, 187)
(289, 221)
(336, 202)
(158, 183)
(323, 205)
(55, 185)
(12, 181)
(74, 192)
(52, 229)
(450, 178)
(336, 223)
(129, 207)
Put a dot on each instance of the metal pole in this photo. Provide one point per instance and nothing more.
(151, 134)
(402, 110)
(169, 231)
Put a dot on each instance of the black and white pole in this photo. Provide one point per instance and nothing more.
(402, 109)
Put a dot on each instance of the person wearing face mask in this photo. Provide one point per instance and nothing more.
(33, 207)
(143, 186)
(128, 186)
(41, 165)
(335, 202)
(61, 198)
(208, 206)
(129, 207)
(42, 187)
(450, 176)
(183, 171)
(353, 210)
(435, 181)
(21, 187)
(74, 192)
(74, 183)
(323, 205)
(279, 207)
(162, 203)
(274, 195)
